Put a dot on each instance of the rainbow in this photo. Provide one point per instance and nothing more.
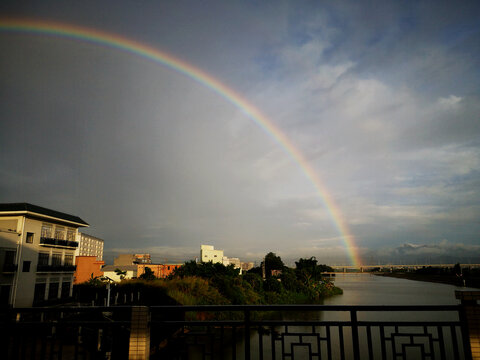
(98, 37)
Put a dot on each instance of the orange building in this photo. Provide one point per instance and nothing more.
(87, 267)
(159, 270)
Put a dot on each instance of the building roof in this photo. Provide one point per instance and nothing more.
(34, 209)
(90, 236)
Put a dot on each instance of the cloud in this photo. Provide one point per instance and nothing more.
(441, 252)
(451, 102)
(383, 104)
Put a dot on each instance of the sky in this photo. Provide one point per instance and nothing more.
(381, 98)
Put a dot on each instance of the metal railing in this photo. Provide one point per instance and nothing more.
(241, 332)
(56, 268)
(313, 332)
(58, 242)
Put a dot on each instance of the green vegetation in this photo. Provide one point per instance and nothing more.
(216, 284)
(455, 275)
(282, 285)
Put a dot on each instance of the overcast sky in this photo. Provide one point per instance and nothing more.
(382, 99)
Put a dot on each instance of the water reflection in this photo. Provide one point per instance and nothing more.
(362, 290)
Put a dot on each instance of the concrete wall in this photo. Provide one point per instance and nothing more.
(87, 267)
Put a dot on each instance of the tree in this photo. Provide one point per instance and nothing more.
(310, 267)
(206, 270)
(147, 274)
(272, 262)
(121, 273)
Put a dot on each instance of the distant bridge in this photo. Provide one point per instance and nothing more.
(362, 268)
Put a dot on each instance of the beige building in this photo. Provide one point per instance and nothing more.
(132, 259)
(89, 245)
(37, 252)
(247, 266)
(208, 253)
(112, 272)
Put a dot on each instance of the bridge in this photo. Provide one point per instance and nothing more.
(391, 267)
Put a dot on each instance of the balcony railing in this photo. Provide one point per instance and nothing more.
(9, 268)
(237, 332)
(58, 242)
(56, 268)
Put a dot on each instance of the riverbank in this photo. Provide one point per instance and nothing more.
(435, 278)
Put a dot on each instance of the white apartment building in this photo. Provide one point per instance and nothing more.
(89, 245)
(208, 253)
(37, 248)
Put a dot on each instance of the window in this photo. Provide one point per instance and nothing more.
(53, 290)
(47, 230)
(60, 233)
(26, 266)
(68, 260)
(65, 289)
(9, 257)
(29, 238)
(5, 294)
(56, 259)
(43, 259)
(71, 234)
(39, 294)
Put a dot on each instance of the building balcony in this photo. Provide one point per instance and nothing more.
(56, 268)
(9, 268)
(58, 242)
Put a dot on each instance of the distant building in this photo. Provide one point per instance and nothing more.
(208, 253)
(112, 273)
(232, 261)
(159, 270)
(132, 259)
(89, 245)
(88, 267)
(37, 248)
(247, 266)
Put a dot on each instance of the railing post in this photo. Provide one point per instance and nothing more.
(470, 318)
(139, 348)
(247, 334)
(355, 340)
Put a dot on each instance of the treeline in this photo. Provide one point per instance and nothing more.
(216, 284)
(281, 285)
(456, 275)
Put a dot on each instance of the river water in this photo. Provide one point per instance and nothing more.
(367, 289)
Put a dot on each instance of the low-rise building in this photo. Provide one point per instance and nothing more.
(37, 248)
(232, 261)
(208, 253)
(159, 270)
(88, 267)
(132, 259)
(120, 272)
(247, 266)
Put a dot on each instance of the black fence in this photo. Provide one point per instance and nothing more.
(241, 332)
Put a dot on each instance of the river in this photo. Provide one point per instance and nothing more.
(367, 289)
